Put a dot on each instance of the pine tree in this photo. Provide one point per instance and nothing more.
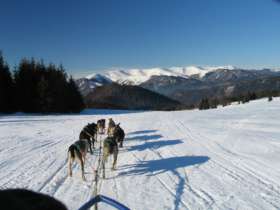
(38, 88)
(6, 88)
(252, 96)
(214, 103)
(246, 98)
(74, 101)
(44, 98)
(204, 104)
(27, 77)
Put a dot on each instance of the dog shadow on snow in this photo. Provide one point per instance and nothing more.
(154, 145)
(167, 165)
(155, 167)
(143, 135)
(149, 140)
(142, 132)
(174, 165)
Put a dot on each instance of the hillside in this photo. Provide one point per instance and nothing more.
(227, 158)
(116, 96)
(87, 85)
(219, 84)
(189, 85)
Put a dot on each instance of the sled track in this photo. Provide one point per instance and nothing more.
(238, 173)
(54, 176)
(162, 169)
(195, 197)
(207, 200)
(169, 189)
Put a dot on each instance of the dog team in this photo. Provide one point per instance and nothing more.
(88, 136)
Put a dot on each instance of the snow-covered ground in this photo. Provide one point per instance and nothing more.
(227, 158)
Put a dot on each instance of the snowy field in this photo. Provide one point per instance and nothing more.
(227, 158)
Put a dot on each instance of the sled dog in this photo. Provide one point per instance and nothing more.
(111, 126)
(119, 134)
(101, 126)
(110, 147)
(77, 152)
(89, 132)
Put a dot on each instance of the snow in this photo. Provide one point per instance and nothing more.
(225, 158)
(198, 70)
(99, 77)
(138, 76)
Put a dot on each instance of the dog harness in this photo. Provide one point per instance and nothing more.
(110, 142)
(88, 131)
(78, 147)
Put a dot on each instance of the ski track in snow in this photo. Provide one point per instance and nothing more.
(227, 158)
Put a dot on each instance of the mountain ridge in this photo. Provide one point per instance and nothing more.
(136, 76)
(189, 90)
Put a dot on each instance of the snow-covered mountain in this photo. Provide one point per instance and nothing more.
(86, 85)
(156, 78)
(220, 83)
(138, 76)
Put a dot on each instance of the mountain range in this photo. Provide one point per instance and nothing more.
(138, 76)
(187, 85)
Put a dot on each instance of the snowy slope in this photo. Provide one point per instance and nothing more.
(227, 158)
(87, 85)
(99, 79)
(138, 76)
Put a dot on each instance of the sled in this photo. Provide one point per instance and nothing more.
(104, 199)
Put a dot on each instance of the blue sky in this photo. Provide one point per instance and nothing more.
(90, 35)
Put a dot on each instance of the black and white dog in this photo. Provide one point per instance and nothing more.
(119, 134)
(89, 132)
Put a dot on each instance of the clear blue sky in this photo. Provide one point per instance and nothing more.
(88, 35)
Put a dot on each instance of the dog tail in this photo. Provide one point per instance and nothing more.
(71, 150)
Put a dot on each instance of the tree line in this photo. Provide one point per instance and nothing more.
(34, 87)
(212, 103)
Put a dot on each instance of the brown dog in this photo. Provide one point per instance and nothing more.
(111, 126)
(110, 147)
(78, 152)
